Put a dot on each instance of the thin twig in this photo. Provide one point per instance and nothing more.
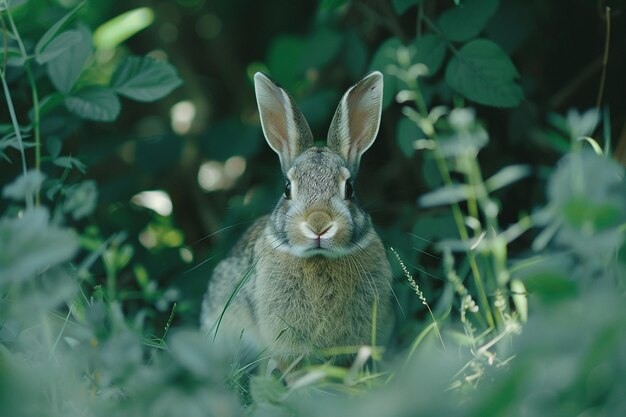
(605, 58)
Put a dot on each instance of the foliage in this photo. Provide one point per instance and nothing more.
(505, 221)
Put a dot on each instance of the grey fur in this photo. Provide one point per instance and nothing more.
(295, 297)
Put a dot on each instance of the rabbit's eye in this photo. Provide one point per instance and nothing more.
(349, 190)
(288, 190)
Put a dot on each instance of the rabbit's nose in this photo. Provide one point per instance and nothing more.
(319, 222)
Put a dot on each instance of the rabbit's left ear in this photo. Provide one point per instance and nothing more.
(284, 126)
(357, 119)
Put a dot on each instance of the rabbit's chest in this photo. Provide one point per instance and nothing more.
(314, 304)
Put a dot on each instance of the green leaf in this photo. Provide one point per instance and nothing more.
(30, 244)
(58, 45)
(445, 195)
(550, 286)
(432, 227)
(466, 21)
(407, 132)
(332, 5)
(355, 55)
(266, 389)
(11, 4)
(115, 31)
(323, 46)
(482, 72)
(51, 33)
(401, 6)
(384, 57)
(12, 56)
(430, 51)
(318, 107)
(70, 162)
(24, 186)
(506, 176)
(50, 102)
(65, 69)
(580, 213)
(81, 199)
(191, 351)
(230, 137)
(144, 79)
(284, 60)
(97, 104)
(584, 124)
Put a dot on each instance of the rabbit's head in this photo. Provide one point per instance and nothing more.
(318, 213)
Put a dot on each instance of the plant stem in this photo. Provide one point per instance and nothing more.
(35, 97)
(605, 58)
(460, 224)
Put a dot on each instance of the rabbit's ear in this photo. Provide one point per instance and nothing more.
(357, 119)
(284, 126)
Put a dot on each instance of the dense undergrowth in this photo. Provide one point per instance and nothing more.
(508, 302)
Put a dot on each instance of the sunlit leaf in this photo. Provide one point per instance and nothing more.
(115, 31)
(445, 195)
(506, 176)
(144, 79)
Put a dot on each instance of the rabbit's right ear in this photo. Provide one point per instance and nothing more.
(284, 126)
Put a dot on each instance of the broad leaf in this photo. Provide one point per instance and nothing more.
(430, 50)
(284, 60)
(401, 6)
(70, 162)
(24, 186)
(81, 199)
(407, 132)
(384, 57)
(144, 79)
(482, 72)
(98, 104)
(65, 69)
(322, 46)
(51, 33)
(29, 244)
(466, 21)
(58, 45)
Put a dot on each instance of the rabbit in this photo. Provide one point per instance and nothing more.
(313, 273)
